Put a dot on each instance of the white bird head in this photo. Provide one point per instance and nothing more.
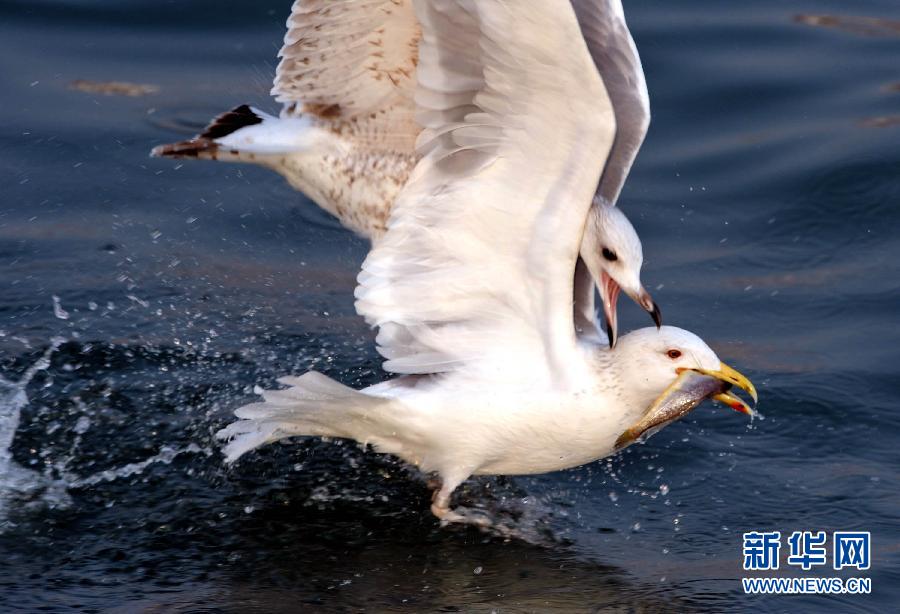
(653, 359)
(612, 252)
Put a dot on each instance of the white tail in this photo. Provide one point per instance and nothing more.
(242, 134)
(315, 405)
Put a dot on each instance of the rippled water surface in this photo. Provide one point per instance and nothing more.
(160, 292)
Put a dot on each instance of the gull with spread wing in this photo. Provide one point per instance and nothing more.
(346, 135)
(471, 286)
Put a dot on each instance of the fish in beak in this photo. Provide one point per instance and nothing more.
(609, 296)
(690, 388)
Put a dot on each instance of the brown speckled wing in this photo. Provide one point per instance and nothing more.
(352, 64)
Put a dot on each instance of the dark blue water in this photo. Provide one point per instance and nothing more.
(768, 199)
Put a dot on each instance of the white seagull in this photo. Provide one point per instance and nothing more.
(471, 286)
(347, 131)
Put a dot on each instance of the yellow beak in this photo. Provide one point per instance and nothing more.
(734, 377)
(684, 394)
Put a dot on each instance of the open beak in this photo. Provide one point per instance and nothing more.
(690, 388)
(609, 296)
(735, 378)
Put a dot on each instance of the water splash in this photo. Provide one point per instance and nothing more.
(525, 519)
(166, 455)
(17, 482)
(29, 489)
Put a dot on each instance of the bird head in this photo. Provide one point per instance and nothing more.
(655, 364)
(612, 252)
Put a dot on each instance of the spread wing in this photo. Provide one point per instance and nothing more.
(609, 41)
(612, 48)
(352, 63)
(477, 265)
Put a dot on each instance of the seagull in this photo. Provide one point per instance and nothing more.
(347, 130)
(471, 285)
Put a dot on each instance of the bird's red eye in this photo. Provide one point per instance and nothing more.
(674, 354)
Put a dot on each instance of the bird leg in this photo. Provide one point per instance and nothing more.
(440, 502)
(440, 507)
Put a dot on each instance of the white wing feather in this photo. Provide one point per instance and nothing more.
(352, 63)
(477, 264)
(610, 43)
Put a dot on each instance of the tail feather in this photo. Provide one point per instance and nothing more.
(244, 436)
(194, 148)
(312, 405)
(244, 134)
(204, 145)
(232, 121)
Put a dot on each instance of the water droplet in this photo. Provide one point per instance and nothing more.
(663, 489)
(58, 310)
(137, 300)
(477, 571)
(83, 424)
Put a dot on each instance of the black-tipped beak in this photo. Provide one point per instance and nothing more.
(646, 301)
(654, 313)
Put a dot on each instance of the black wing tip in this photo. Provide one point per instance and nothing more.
(194, 148)
(204, 145)
(231, 121)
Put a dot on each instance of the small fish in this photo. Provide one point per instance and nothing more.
(689, 389)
